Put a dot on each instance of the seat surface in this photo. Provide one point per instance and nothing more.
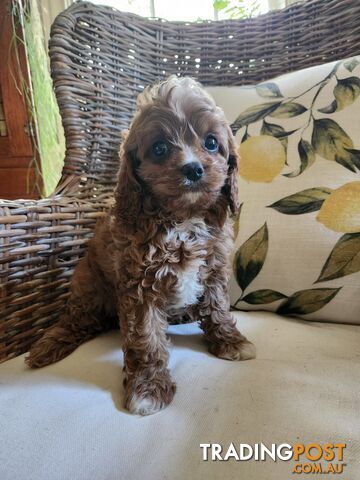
(67, 420)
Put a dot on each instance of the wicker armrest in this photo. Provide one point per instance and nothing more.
(40, 244)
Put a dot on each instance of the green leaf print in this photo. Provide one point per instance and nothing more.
(265, 295)
(250, 257)
(309, 200)
(288, 110)
(307, 301)
(269, 89)
(330, 141)
(346, 92)
(253, 114)
(344, 258)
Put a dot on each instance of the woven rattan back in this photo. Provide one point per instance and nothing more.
(101, 59)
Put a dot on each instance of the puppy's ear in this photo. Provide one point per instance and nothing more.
(230, 189)
(128, 192)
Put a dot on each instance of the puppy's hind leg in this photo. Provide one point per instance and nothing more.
(86, 315)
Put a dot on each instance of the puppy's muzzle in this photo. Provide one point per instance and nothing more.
(193, 171)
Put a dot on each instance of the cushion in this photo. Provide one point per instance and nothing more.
(66, 421)
(298, 245)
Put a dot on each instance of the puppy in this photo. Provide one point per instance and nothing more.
(162, 254)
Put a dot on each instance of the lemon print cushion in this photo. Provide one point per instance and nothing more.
(262, 158)
(297, 245)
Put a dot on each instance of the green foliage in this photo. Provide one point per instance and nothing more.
(237, 8)
(51, 142)
(46, 129)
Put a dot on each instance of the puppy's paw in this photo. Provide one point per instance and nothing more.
(145, 397)
(144, 405)
(241, 350)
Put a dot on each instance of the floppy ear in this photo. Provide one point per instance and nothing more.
(128, 192)
(230, 189)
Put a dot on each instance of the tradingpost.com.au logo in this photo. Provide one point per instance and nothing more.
(327, 458)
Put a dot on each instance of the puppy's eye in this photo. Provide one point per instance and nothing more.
(160, 149)
(211, 144)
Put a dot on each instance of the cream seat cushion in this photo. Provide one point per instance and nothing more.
(66, 421)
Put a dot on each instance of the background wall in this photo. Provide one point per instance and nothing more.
(49, 9)
(168, 9)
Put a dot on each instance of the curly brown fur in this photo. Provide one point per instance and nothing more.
(163, 251)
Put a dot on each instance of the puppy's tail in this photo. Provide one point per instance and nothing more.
(62, 339)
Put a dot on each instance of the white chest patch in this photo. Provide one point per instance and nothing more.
(188, 287)
(191, 235)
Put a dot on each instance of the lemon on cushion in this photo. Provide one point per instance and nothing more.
(341, 209)
(262, 158)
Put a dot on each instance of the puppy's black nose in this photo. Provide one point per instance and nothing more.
(193, 171)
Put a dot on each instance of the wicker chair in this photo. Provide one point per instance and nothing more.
(100, 60)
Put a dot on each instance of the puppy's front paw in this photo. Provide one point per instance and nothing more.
(240, 350)
(145, 397)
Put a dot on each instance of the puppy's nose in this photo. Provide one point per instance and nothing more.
(193, 171)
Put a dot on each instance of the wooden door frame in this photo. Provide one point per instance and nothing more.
(13, 70)
(17, 151)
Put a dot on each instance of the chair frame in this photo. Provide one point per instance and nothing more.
(100, 60)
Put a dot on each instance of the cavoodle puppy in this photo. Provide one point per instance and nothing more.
(162, 254)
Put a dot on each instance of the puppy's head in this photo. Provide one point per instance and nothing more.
(179, 150)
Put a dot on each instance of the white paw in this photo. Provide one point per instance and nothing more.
(144, 405)
(247, 351)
